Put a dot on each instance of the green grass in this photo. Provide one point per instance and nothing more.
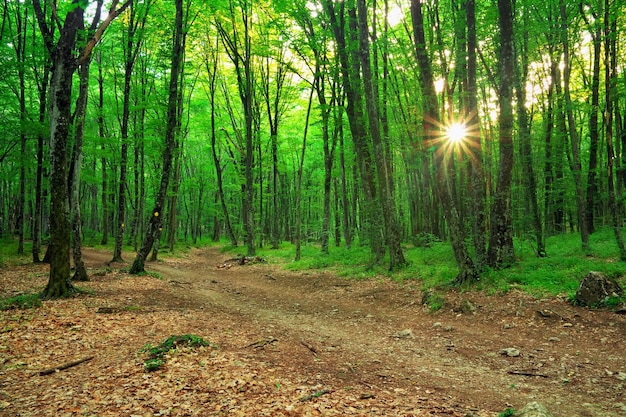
(434, 267)
(21, 302)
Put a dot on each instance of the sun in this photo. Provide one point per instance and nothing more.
(456, 132)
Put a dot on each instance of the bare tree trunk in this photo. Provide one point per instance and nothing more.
(500, 253)
(80, 272)
(575, 165)
(63, 68)
(609, 77)
(300, 170)
(431, 120)
(155, 222)
(530, 183)
(383, 166)
(102, 133)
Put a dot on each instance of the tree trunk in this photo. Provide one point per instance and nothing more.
(298, 225)
(610, 87)
(477, 173)
(500, 253)
(101, 133)
(431, 122)
(383, 166)
(63, 68)
(80, 272)
(529, 181)
(155, 221)
(594, 137)
(37, 228)
(575, 165)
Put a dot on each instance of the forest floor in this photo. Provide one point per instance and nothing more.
(298, 344)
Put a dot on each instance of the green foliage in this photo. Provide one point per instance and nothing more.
(434, 267)
(156, 354)
(22, 302)
(509, 412)
(433, 300)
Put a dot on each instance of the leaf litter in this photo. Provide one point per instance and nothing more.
(260, 361)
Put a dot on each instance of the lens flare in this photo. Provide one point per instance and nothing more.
(456, 132)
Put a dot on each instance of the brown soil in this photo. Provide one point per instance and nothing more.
(299, 344)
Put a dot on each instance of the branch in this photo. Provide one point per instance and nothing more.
(113, 13)
(43, 26)
(65, 366)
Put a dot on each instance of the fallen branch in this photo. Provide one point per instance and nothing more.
(314, 395)
(260, 343)
(527, 373)
(65, 366)
(309, 346)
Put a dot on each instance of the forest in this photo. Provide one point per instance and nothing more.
(149, 124)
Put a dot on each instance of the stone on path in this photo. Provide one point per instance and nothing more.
(533, 409)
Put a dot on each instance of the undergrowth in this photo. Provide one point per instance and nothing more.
(21, 302)
(432, 264)
(156, 354)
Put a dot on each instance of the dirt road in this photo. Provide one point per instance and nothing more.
(367, 347)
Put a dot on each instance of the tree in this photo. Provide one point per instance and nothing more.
(431, 124)
(65, 61)
(239, 49)
(500, 253)
(156, 217)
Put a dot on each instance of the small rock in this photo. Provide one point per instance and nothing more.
(448, 328)
(404, 334)
(437, 324)
(568, 325)
(533, 409)
(509, 326)
(554, 339)
(621, 376)
(510, 352)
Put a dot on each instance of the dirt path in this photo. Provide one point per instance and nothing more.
(379, 351)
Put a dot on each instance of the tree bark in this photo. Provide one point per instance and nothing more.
(500, 253)
(575, 165)
(80, 272)
(63, 68)
(383, 166)
(155, 221)
(431, 122)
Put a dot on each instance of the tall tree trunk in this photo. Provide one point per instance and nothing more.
(37, 228)
(383, 166)
(80, 272)
(610, 88)
(500, 253)
(63, 68)
(530, 183)
(298, 225)
(103, 160)
(431, 122)
(595, 31)
(350, 73)
(155, 222)
(477, 173)
(211, 68)
(20, 51)
(575, 165)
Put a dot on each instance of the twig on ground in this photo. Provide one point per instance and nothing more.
(260, 343)
(65, 366)
(527, 373)
(314, 395)
(309, 346)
